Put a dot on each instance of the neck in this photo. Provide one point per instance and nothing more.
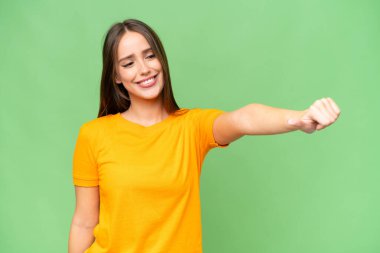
(146, 111)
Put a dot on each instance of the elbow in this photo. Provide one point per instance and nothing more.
(84, 222)
(245, 117)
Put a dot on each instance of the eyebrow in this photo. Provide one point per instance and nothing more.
(131, 55)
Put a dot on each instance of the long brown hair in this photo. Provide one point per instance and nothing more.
(114, 97)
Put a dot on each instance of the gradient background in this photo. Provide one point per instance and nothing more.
(284, 193)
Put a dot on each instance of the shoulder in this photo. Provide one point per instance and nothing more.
(187, 113)
(203, 113)
(196, 111)
(94, 126)
(181, 111)
(201, 116)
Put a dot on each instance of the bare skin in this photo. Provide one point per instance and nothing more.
(85, 218)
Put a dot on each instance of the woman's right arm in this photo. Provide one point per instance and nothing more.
(86, 217)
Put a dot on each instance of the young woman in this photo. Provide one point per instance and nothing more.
(136, 167)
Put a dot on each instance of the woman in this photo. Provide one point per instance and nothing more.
(136, 168)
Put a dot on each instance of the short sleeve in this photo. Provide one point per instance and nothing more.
(205, 122)
(85, 169)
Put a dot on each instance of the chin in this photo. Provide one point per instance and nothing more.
(151, 96)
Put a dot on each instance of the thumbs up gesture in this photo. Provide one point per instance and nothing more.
(321, 114)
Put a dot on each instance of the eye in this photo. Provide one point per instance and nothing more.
(149, 56)
(126, 65)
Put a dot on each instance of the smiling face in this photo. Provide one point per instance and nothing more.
(138, 68)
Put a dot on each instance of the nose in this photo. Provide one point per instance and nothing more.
(144, 69)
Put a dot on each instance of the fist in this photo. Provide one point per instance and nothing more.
(321, 114)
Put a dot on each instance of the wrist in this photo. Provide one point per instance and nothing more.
(294, 116)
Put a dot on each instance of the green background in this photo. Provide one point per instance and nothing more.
(284, 193)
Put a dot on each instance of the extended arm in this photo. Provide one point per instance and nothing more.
(259, 119)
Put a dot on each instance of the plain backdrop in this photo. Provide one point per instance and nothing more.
(284, 193)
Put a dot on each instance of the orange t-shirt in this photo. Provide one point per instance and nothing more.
(148, 180)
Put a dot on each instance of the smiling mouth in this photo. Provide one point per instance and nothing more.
(154, 77)
(149, 82)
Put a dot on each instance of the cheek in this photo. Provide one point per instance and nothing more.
(162, 77)
(127, 75)
(156, 64)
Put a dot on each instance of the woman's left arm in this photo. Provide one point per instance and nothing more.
(259, 119)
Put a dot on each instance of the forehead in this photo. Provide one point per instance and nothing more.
(130, 43)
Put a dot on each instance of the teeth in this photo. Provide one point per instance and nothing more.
(148, 81)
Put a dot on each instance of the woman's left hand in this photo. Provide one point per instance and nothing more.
(321, 114)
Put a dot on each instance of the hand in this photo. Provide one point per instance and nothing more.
(321, 114)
